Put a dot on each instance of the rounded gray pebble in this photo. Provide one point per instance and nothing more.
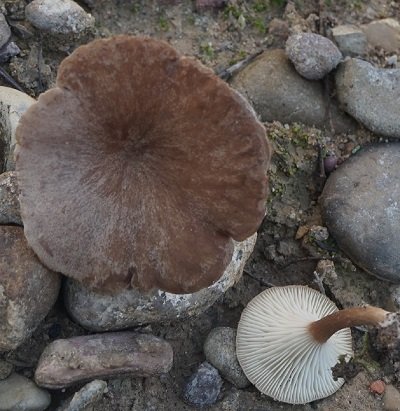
(203, 387)
(220, 351)
(313, 55)
(5, 31)
(361, 208)
(18, 393)
(58, 16)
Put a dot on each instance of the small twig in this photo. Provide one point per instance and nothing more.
(9, 80)
(321, 156)
(319, 280)
(261, 281)
(227, 73)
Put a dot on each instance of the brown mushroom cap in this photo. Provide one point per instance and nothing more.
(139, 168)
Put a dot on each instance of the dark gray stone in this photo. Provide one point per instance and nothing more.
(58, 16)
(313, 55)
(28, 290)
(66, 362)
(5, 369)
(220, 351)
(9, 50)
(350, 39)
(18, 393)
(9, 204)
(371, 95)
(101, 312)
(203, 387)
(361, 208)
(5, 31)
(278, 93)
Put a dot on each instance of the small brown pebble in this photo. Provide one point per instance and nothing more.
(209, 4)
(330, 163)
(377, 387)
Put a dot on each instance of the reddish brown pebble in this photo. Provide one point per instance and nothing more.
(73, 360)
(377, 387)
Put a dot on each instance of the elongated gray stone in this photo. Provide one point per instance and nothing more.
(361, 208)
(9, 204)
(77, 359)
(371, 95)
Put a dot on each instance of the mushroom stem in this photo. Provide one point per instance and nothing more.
(324, 328)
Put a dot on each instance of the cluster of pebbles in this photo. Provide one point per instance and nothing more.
(360, 206)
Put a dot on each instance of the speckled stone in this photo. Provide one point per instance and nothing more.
(110, 355)
(313, 55)
(203, 387)
(371, 95)
(100, 312)
(220, 351)
(28, 290)
(9, 204)
(58, 16)
(278, 93)
(86, 396)
(18, 393)
(361, 208)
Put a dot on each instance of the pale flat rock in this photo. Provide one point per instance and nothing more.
(18, 393)
(361, 208)
(384, 34)
(371, 95)
(28, 290)
(58, 16)
(278, 93)
(13, 104)
(99, 312)
(9, 204)
(110, 355)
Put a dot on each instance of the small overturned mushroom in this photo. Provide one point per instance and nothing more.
(139, 169)
(290, 337)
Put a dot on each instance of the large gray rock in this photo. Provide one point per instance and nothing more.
(278, 93)
(18, 393)
(361, 208)
(109, 355)
(220, 351)
(9, 204)
(58, 16)
(13, 104)
(5, 31)
(314, 56)
(371, 95)
(99, 312)
(28, 290)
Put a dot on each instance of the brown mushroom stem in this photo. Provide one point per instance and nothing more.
(324, 328)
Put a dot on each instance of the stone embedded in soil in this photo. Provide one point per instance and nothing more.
(371, 95)
(13, 104)
(220, 351)
(9, 204)
(58, 16)
(391, 399)
(361, 208)
(203, 387)
(100, 312)
(86, 396)
(314, 56)
(69, 361)
(278, 93)
(5, 369)
(384, 34)
(8, 51)
(350, 39)
(5, 31)
(28, 290)
(18, 393)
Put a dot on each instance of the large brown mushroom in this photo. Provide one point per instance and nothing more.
(139, 169)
